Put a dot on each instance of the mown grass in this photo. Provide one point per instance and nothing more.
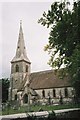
(36, 108)
(0, 113)
(52, 107)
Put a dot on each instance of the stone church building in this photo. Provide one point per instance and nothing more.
(39, 87)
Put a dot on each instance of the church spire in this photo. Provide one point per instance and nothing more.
(20, 22)
(21, 49)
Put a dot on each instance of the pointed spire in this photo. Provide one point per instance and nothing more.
(21, 49)
(20, 22)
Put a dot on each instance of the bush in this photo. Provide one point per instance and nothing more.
(51, 116)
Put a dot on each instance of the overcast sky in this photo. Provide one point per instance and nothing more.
(35, 35)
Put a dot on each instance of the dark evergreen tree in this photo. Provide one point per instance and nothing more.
(5, 88)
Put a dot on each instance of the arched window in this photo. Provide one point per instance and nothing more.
(17, 68)
(43, 93)
(26, 68)
(54, 93)
(25, 98)
(66, 92)
(16, 97)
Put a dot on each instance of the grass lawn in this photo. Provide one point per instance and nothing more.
(25, 109)
(0, 112)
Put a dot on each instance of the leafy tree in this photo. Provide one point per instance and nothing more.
(64, 39)
(5, 87)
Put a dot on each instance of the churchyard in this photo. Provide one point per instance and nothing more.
(38, 112)
(36, 108)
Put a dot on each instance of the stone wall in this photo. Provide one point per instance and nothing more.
(58, 92)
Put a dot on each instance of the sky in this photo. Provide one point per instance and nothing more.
(35, 35)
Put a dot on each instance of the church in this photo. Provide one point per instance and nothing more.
(44, 87)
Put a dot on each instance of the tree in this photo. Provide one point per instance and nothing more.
(5, 87)
(64, 39)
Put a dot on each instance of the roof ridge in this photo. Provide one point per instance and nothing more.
(45, 71)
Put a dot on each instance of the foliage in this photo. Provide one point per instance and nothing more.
(64, 39)
(5, 87)
(51, 116)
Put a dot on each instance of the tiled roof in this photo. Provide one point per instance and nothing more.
(47, 79)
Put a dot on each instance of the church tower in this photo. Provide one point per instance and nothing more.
(20, 66)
